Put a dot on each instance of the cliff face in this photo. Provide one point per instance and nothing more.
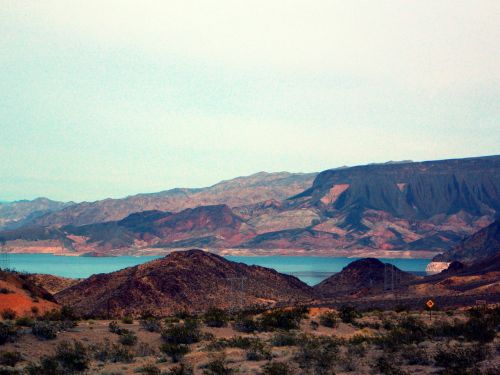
(412, 191)
(192, 280)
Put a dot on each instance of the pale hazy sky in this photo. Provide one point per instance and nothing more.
(109, 98)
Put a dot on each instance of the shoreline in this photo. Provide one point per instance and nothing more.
(332, 253)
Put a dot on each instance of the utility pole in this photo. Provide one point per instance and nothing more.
(237, 284)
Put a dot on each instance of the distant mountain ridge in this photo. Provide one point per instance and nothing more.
(236, 192)
(392, 207)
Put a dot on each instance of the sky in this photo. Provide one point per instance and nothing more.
(111, 98)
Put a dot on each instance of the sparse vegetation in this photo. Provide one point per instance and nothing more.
(276, 368)
(175, 351)
(127, 319)
(8, 314)
(285, 319)
(127, 338)
(45, 330)
(10, 358)
(348, 314)
(215, 317)
(328, 319)
(151, 324)
(8, 332)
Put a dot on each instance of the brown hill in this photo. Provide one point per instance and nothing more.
(363, 277)
(18, 293)
(193, 280)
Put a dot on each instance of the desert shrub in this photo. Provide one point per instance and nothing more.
(47, 366)
(9, 371)
(356, 350)
(182, 369)
(234, 342)
(348, 314)
(45, 330)
(282, 319)
(73, 357)
(481, 326)
(409, 330)
(386, 366)
(455, 359)
(108, 352)
(276, 368)
(5, 291)
(35, 310)
(284, 338)
(143, 349)
(25, 321)
(317, 354)
(127, 319)
(258, 351)
(114, 327)
(151, 324)
(10, 358)
(8, 314)
(8, 332)
(414, 355)
(328, 319)
(175, 351)
(186, 333)
(217, 366)
(215, 317)
(149, 369)
(245, 324)
(128, 338)
(314, 325)
(171, 320)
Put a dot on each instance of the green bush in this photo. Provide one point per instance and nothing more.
(45, 330)
(128, 338)
(25, 321)
(10, 358)
(215, 317)
(175, 351)
(282, 319)
(276, 368)
(328, 319)
(186, 333)
(348, 314)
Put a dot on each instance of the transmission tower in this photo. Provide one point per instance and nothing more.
(4, 255)
(238, 287)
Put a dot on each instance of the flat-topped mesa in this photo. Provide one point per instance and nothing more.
(192, 280)
(361, 277)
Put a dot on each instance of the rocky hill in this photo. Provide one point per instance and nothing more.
(363, 277)
(193, 280)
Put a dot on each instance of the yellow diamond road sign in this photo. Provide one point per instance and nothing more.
(430, 304)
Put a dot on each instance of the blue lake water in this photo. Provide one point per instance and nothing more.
(311, 270)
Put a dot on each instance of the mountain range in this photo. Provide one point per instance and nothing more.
(406, 208)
